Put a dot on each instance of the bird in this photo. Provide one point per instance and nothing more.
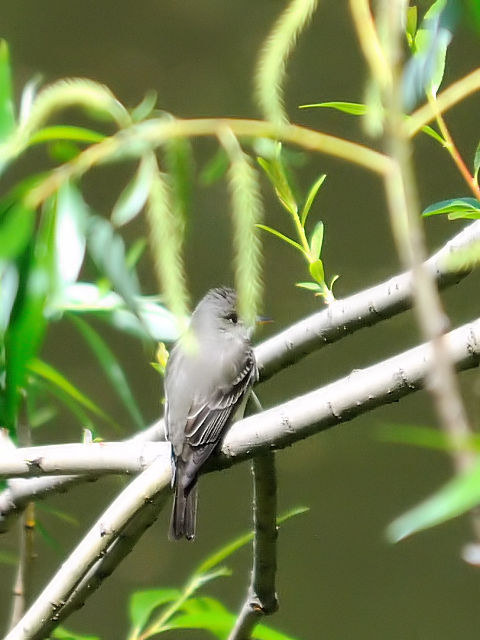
(208, 377)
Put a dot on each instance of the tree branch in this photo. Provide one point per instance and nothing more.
(279, 427)
(92, 459)
(343, 317)
(261, 598)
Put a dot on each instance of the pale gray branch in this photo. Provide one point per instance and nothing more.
(94, 458)
(338, 402)
(45, 611)
(339, 319)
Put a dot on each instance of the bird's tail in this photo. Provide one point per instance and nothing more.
(184, 512)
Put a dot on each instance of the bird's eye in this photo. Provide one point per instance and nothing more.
(232, 317)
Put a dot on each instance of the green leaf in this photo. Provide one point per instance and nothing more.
(70, 230)
(215, 168)
(143, 603)
(433, 134)
(353, 108)
(316, 241)
(145, 107)
(16, 228)
(133, 198)
(156, 322)
(107, 250)
(61, 633)
(316, 271)
(311, 286)
(456, 497)
(424, 71)
(227, 550)
(277, 176)
(27, 324)
(476, 161)
(111, 367)
(66, 133)
(281, 236)
(311, 197)
(7, 116)
(62, 151)
(455, 208)
(220, 623)
(47, 372)
(411, 26)
(63, 516)
(47, 387)
(428, 438)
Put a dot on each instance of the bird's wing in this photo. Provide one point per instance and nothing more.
(208, 417)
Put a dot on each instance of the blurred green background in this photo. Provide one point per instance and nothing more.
(337, 578)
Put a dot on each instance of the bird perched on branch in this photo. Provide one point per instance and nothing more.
(208, 376)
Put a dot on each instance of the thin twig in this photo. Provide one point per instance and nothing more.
(261, 598)
(23, 578)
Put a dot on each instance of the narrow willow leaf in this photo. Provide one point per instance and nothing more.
(145, 107)
(143, 603)
(61, 633)
(107, 249)
(460, 206)
(7, 116)
(215, 168)
(133, 198)
(16, 229)
(359, 109)
(316, 241)
(76, 409)
(311, 286)
(424, 71)
(456, 497)
(135, 252)
(66, 132)
(353, 108)
(428, 438)
(433, 134)
(227, 550)
(111, 367)
(73, 92)
(27, 324)
(282, 237)
(316, 271)
(271, 67)
(277, 176)
(9, 281)
(247, 212)
(70, 234)
(476, 161)
(165, 235)
(311, 197)
(54, 377)
(411, 26)
(57, 513)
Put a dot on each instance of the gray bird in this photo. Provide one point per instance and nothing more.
(209, 374)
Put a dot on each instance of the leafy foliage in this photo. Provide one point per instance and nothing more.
(310, 249)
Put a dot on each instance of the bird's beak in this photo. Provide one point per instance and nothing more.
(264, 320)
